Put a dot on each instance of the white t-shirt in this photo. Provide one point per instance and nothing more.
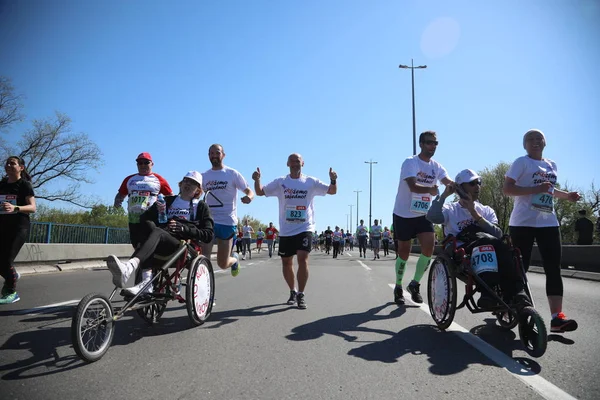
(337, 236)
(296, 212)
(247, 231)
(533, 210)
(457, 218)
(409, 204)
(181, 208)
(223, 185)
(362, 231)
(260, 235)
(376, 232)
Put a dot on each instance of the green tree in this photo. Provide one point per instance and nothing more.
(491, 193)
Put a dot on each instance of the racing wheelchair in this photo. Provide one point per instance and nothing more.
(455, 263)
(93, 324)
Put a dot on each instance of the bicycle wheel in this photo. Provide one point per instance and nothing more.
(92, 327)
(200, 290)
(152, 313)
(532, 331)
(441, 293)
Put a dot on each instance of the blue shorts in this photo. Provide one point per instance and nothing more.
(225, 232)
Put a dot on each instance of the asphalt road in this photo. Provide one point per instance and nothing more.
(351, 343)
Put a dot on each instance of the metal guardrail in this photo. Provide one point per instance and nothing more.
(49, 232)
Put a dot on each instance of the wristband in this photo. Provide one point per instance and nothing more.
(17, 209)
(333, 181)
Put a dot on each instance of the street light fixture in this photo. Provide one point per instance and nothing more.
(357, 192)
(412, 71)
(370, 187)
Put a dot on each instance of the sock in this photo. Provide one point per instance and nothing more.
(300, 292)
(400, 265)
(422, 265)
(554, 315)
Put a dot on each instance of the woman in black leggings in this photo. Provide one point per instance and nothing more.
(531, 179)
(17, 201)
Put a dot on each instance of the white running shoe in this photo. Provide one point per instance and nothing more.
(119, 270)
(132, 291)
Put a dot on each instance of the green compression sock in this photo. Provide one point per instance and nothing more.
(400, 266)
(422, 265)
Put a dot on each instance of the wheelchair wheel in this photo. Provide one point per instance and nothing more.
(92, 327)
(532, 331)
(507, 320)
(441, 293)
(200, 290)
(151, 313)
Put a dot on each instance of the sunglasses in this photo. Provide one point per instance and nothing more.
(475, 182)
(145, 162)
(430, 142)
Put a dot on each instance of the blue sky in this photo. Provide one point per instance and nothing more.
(268, 78)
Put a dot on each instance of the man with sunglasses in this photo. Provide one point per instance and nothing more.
(418, 183)
(476, 229)
(143, 189)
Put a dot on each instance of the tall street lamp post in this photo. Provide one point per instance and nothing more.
(370, 187)
(357, 192)
(351, 205)
(412, 71)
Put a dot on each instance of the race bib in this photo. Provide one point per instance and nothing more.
(543, 202)
(8, 198)
(137, 204)
(420, 203)
(483, 259)
(295, 214)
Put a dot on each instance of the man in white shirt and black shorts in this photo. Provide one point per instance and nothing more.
(221, 183)
(296, 219)
(418, 184)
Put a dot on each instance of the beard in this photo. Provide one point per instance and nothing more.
(215, 162)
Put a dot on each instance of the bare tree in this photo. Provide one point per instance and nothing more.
(10, 104)
(59, 158)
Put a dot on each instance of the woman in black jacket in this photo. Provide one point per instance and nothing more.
(188, 217)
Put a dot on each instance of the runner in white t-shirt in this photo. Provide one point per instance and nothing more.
(296, 219)
(375, 235)
(260, 235)
(362, 233)
(247, 240)
(418, 183)
(221, 185)
(531, 179)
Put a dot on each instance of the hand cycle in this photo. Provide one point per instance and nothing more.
(93, 324)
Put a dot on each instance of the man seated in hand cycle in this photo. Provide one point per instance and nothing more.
(475, 227)
(188, 217)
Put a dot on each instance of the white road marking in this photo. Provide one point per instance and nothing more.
(49, 307)
(544, 388)
(363, 265)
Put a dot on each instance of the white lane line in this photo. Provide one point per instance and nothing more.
(49, 307)
(363, 265)
(544, 388)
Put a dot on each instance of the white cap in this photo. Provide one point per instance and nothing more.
(466, 176)
(195, 176)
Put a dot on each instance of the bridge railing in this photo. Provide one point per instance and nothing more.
(49, 232)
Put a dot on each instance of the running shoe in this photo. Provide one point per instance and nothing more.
(292, 298)
(300, 300)
(561, 323)
(235, 268)
(120, 271)
(13, 297)
(413, 288)
(398, 295)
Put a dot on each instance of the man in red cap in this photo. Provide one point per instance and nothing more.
(143, 189)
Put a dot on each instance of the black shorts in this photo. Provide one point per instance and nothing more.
(406, 229)
(289, 245)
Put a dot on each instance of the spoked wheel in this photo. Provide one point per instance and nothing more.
(532, 332)
(441, 294)
(92, 327)
(506, 320)
(200, 290)
(152, 313)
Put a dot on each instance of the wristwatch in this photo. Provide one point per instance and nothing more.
(17, 209)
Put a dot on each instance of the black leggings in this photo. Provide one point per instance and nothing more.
(550, 247)
(362, 244)
(158, 241)
(12, 238)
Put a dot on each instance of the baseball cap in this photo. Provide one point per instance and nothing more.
(144, 156)
(195, 176)
(466, 176)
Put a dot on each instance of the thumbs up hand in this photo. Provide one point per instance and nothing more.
(256, 174)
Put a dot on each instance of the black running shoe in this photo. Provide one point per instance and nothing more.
(413, 289)
(292, 298)
(398, 295)
(301, 302)
(561, 323)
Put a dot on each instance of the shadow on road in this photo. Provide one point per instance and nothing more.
(221, 318)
